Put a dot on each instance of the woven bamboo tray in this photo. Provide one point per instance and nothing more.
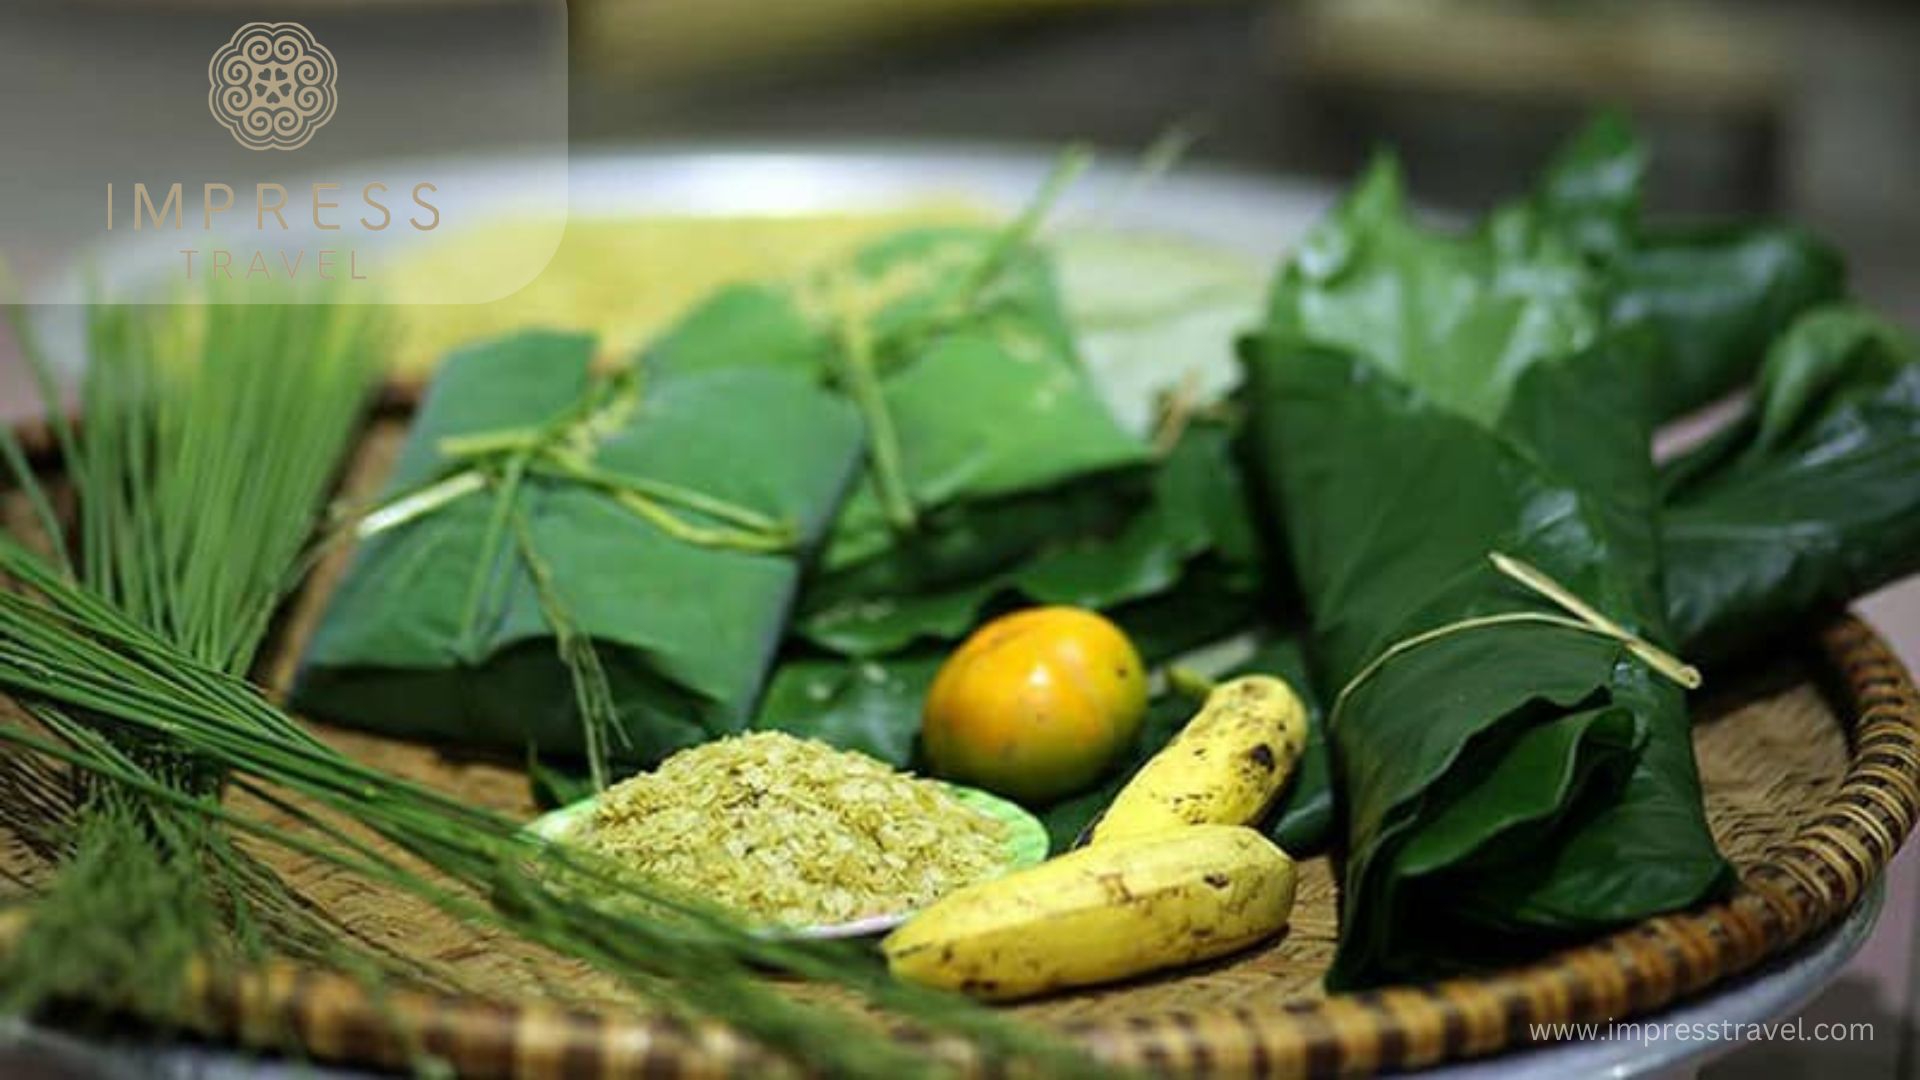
(1812, 775)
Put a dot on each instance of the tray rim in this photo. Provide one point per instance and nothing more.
(1807, 885)
(1804, 886)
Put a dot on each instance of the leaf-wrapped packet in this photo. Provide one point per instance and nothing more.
(1708, 296)
(1179, 570)
(1513, 768)
(1711, 294)
(987, 438)
(1810, 498)
(1051, 499)
(1805, 500)
(649, 529)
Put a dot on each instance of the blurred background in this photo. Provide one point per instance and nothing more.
(1795, 108)
(1808, 109)
(1791, 107)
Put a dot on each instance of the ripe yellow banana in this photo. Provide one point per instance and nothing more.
(1099, 914)
(1223, 768)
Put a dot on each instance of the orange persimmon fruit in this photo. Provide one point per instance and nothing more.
(1035, 704)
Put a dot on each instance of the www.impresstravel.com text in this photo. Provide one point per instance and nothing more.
(1650, 1032)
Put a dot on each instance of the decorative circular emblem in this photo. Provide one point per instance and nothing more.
(272, 86)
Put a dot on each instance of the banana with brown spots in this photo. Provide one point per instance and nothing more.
(1100, 913)
(1223, 768)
